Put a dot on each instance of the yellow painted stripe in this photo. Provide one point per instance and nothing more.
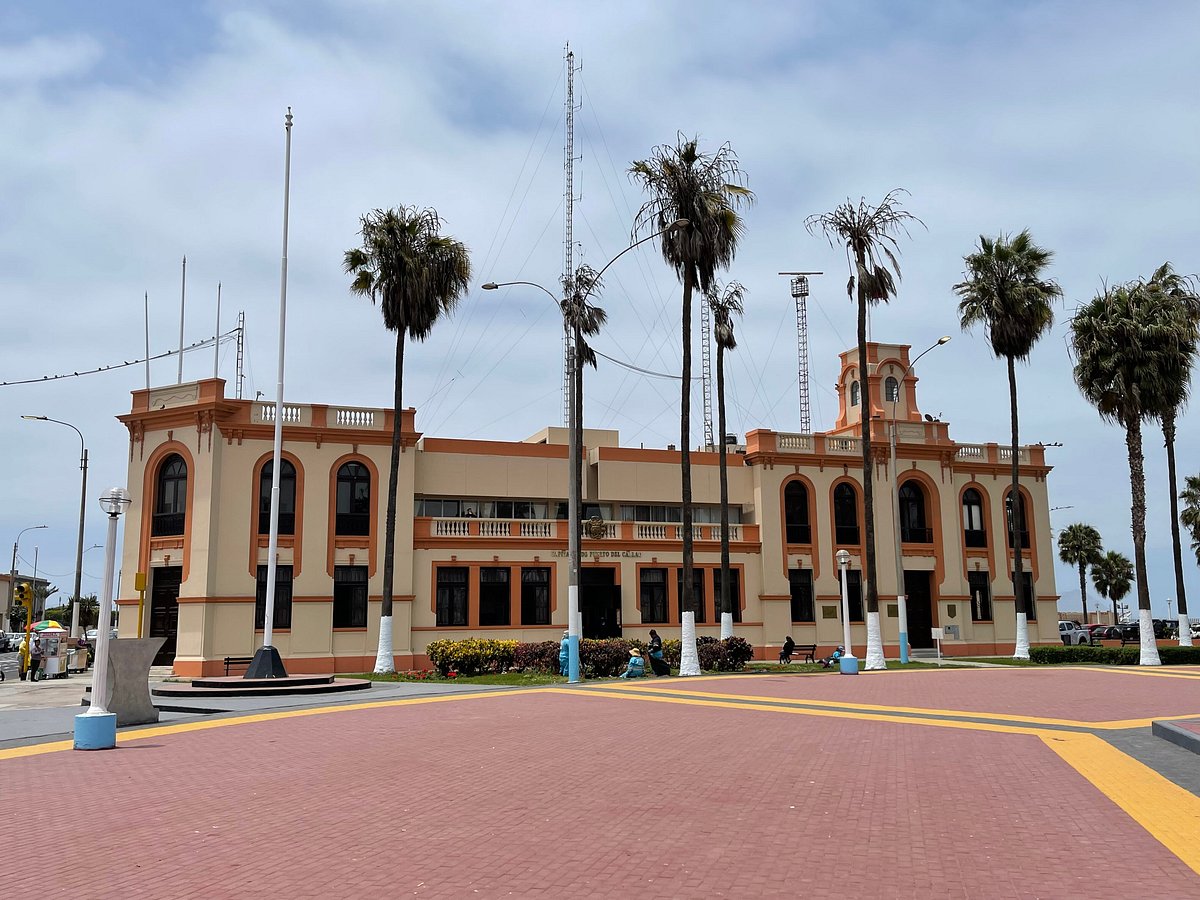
(1170, 813)
(1148, 672)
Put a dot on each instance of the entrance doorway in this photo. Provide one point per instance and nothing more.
(919, 599)
(600, 602)
(164, 611)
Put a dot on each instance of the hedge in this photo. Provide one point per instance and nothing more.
(597, 658)
(1111, 656)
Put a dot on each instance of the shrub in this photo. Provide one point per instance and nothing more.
(1051, 655)
(604, 658)
(540, 657)
(472, 656)
(729, 655)
(1179, 656)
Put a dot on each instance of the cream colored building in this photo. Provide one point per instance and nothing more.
(481, 536)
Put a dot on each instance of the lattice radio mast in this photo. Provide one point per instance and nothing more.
(706, 370)
(241, 352)
(800, 296)
(569, 228)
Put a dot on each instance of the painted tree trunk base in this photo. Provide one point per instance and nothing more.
(385, 660)
(727, 625)
(1022, 648)
(689, 659)
(1149, 655)
(1185, 631)
(875, 658)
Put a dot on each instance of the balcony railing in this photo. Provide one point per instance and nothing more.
(352, 524)
(846, 535)
(166, 524)
(843, 445)
(975, 538)
(799, 534)
(910, 535)
(507, 529)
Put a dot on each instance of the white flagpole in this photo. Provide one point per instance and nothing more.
(146, 311)
(217, 339)
(182, 301)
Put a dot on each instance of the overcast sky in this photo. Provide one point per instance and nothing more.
(133, 133)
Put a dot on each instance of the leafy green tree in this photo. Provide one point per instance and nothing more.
(869, 234)
(1190, 517)
(416, 275)
(1007, 293)
(1079, 545)
(705, 191)
(1112, 576)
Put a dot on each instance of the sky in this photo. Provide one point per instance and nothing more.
(135, 133)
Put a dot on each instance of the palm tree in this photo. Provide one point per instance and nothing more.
(869, 234)
(1006, 292)
(581, 318)
(705, 190)
(1177, 292)
(1079, 545)
(1112, 576)
(416, 275)
(1190, 517)
(725, 304)
(1127, 351)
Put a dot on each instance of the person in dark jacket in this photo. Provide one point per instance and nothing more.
(789, 647)
(658, 662)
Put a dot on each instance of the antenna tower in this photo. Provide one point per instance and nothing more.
(568, 278)
(241, 352)
(706, 370)
(800, 296)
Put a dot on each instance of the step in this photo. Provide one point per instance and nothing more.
(260, 687)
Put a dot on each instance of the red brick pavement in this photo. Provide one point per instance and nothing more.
(557, 795)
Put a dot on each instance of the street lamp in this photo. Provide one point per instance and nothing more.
(12, 573)
(901, 605)
(574, 551)
(83, 464)
(849, 662)
(96, 729)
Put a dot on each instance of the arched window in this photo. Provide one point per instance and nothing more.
(912, 515)
(1022, 530)
(287, 498)
(353, 499)
(855, 393)
(795, 513)
(974, 532)
(845, 514)
(891, 389)
(170, 504)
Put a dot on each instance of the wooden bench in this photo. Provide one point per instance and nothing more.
(243, 661)
(1130, 639)
(807, 651)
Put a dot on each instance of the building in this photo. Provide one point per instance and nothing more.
(481, 534)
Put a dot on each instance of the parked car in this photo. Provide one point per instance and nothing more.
(1196, 629)
(1109, 633)
(1072, 634)
(6, 643)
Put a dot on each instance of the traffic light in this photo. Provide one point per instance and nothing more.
(24, 594)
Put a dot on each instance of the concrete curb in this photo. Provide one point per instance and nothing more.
(1181, 737)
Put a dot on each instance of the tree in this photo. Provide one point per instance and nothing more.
(1179, 295)
(1112, 576)
(1006, 292)
(725, 304)
(1126, 343)
(582, 318)
(706, 191)
(1079, 545)
(1190, 517)
(416, 275)
(869, 234)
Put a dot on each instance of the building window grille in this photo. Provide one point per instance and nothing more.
(170, 506)
(287, 498)
(349, 596)
(697, 593)
(494, 597)
(891, 389)
(452, 597)
(654, 596)
(283, 598)
(845, 514)
(801, 583)
(535, 596)
(855, 393)
(981, 596)
(353, 500)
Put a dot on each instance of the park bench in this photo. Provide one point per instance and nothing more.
(1127, 638)
(243, 661)
(807, 652)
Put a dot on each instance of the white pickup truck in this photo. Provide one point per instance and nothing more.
(1072, 635)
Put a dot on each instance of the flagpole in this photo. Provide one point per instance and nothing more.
(182, 301)
(146, 315)
(217, 339)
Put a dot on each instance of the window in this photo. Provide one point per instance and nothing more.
(854, 597)
(974, 532)
(795, 513)
(697, 593)
(912, 515)
(535, 596)
(170, 506)
(282, 617)
(855, 393)
(287, 498)
(349, 596)
(654, 596)
(801, 583)
(735, 596)
(1027, 593)
(493, 597)
(981, 596)
(1022, 530)
(891, 390)
(353, 500)
(451, 597)
(845, 514)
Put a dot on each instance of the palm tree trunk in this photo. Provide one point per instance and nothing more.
(385, 659)
(1137, 490)
(1021, 651)
(689, 662)
(1083, 588)
(725, 604)
(1168, 427)
(875, 658)
(577, 437)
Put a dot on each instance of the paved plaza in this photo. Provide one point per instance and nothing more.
(1001, 782)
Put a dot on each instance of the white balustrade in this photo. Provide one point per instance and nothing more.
(536, 529)
(842, 445)
(291, 414)
(794, 442)
(451, 527)
(1022, 454)
(650, 532)
(354, 418)
(494, 528)
(971, 452)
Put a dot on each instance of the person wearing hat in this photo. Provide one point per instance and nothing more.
(636, 667)
(564, 654)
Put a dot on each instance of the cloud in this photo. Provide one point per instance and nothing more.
(50, 58)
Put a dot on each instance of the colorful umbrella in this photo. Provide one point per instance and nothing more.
(47, 625)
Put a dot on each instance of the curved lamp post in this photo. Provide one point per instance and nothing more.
(12, 574)
(901, 605)
(574, 624)
(83, 464)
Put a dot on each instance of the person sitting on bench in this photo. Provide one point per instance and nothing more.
(789, 647)
(828, 662)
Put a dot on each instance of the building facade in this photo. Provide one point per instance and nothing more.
(481, 532)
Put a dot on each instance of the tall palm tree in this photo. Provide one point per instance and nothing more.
(1079, 545)
(415, 274)
(706, 190)
(1007, 293)
(1190, 517)
(582, 317)
(725, 304)
(1112, 576)
(1178, 293)
(1126, 350)
(869, 234)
